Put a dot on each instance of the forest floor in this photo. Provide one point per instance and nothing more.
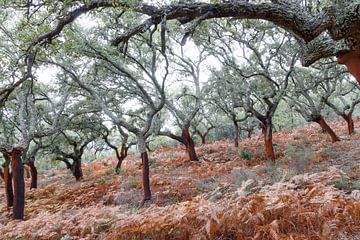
(311, 192)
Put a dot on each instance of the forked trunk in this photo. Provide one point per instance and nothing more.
(76, 170)
(326, 128)
(8, 186)
(203, 138)
(269, 148)
(120, 157)
(18, 184)
(236, 134)
(350, 123)
(145, 176)
(190, 145)
(33, 173)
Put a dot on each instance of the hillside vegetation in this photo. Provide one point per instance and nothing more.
(311, 192)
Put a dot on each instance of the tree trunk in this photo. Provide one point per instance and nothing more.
(18, 184)
(350, 123)
(33, 173)
(190, 145)
(236, 134)
(352, 62)
(8, 186)
(120, 157)
(27, 172)
(269, 148)
(203, 138)
(76, 169)
(325, 127)
(145, 176)
(249, 133)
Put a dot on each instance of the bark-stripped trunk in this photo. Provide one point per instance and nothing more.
(190, 145)
(18, 184)
(269, 148)
(326, 128)
(352, 62)
(33, 173)
(236, 134)
(350, 123)
(145, 176)
(202, 137)
(250, 131)
(120, 157)
(8, 186)
(76, 170)
(27, 172)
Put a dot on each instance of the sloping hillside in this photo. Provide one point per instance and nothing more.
(312, 192)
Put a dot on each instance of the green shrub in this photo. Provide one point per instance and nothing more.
(246, 154)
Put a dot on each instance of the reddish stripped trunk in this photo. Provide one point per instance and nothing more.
(190, 145)
(33, 173)
(352, 61)
(269, 148)
(27, 172)
(8, 186)
(203, 138)
(76, 170)
(249, 133)
(145, 176)
(320, 120)
(18, 184)
(350, 123)
(236, 134)
(120, 157)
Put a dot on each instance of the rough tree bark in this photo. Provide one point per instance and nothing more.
(321, 121)
(18, 183)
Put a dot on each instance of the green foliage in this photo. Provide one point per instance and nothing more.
(246, 154)
(347, 184)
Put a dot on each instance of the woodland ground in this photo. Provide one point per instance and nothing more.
(312, 192)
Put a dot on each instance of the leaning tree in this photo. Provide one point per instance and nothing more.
(343, 96)
(308, 95)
